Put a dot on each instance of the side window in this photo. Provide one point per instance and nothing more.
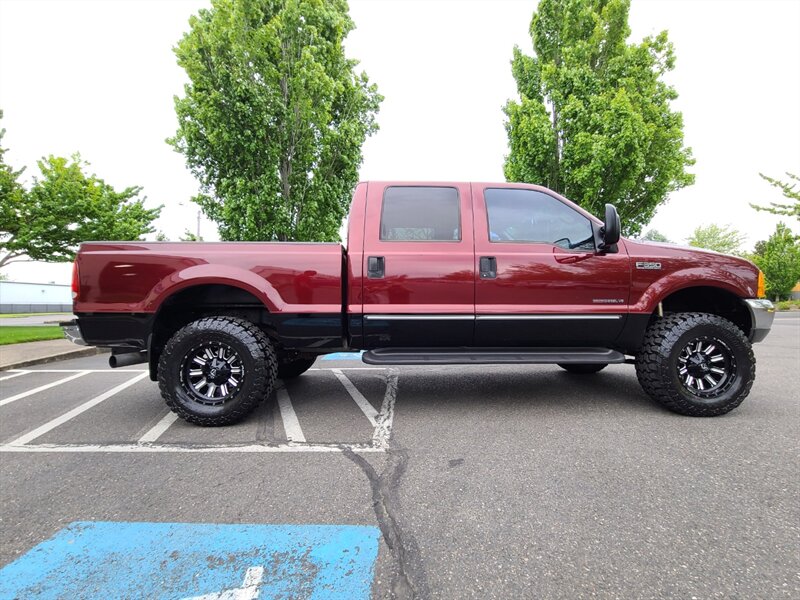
(531, 216)
(411, 214)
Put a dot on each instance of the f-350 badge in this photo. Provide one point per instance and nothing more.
(648, 266)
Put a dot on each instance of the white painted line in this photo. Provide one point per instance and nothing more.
(176, 449)
(290, 423)
(347, 369)
(248, 591)
(109, 370)
(16, 374)
(50, 425)
(367, 408)
(383, 426)
(159, 428)
(42, 388)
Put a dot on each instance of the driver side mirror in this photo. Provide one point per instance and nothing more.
(611, 228)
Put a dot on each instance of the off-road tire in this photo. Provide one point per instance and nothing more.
(258, 366)
(290, 366)
(582, 368)
(665, 344)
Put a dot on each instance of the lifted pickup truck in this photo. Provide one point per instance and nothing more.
(432, 274)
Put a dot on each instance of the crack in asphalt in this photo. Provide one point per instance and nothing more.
(409, 578)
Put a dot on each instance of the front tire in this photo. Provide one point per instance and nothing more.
(216, 370)
(696, 364)
(582, 368)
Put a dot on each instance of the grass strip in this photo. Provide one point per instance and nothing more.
(14, 334)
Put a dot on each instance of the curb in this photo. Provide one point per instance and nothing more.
(43, 360)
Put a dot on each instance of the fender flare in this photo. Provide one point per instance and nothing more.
(691, 278)
(212, 275)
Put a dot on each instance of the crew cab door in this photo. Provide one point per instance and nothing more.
(418, 277)
(543, 283)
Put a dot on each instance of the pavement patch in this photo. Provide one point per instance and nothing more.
(183, 561)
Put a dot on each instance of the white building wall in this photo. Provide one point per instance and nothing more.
(17, 297)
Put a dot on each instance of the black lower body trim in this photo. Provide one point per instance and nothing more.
(470, 356)
(128, 331)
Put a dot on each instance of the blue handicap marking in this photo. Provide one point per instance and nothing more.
(343, 356)
(188, 561)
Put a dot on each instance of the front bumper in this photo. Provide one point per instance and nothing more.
(762, 313)
(72, 332)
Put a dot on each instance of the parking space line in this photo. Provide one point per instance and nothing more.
(385, 419)
(347, 368)
(108, 370)
(15, 374)
(367, 408)
(159, 428)
(50, 425)
(290, 448)
(42, 388)
(290, 423)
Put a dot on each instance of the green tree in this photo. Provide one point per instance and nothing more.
(788, 190)
(717, 238)
(273, 117)
(654, 235)
(65, 207)
(593, 121)
(12, 195)
(190, 236)
(779, 259)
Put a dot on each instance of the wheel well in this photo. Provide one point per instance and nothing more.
(710, 300)
(200, 301)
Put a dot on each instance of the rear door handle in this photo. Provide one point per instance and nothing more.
(488, 266)
(376, 267)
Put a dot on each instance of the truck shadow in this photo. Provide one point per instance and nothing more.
(539, 387)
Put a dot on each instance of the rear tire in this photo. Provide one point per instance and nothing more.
(696, 364)
(291, 366)
(582, 368)
(216, 370)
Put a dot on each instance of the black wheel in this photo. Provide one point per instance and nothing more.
(293, 365)
(216, 370)
(582, 368)
(696, 364)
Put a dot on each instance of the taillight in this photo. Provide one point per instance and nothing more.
(76, 284)
(762, 287)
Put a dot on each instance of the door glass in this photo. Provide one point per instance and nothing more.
(534, 217)
(416, 213)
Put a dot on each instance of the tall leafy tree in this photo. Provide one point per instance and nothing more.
(65, 207)
(273, 117)
(788, 190)
(720, 238)
(779, 259)
(593, 120)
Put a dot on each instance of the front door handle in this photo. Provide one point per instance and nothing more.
(376, 267)
(488, 266)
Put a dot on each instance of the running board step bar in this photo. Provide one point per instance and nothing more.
(488, 356)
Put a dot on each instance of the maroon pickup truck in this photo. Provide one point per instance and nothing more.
(432, 274)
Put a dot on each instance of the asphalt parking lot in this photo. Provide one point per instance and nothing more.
(479, 482)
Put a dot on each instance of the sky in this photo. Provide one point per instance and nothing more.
(98, 77)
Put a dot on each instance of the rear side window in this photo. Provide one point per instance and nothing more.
(531, 216)
(413, 214)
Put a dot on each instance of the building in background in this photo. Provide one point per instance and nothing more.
(18, 297)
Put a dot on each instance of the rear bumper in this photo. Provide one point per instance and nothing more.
(762, 313)
(72, 332)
